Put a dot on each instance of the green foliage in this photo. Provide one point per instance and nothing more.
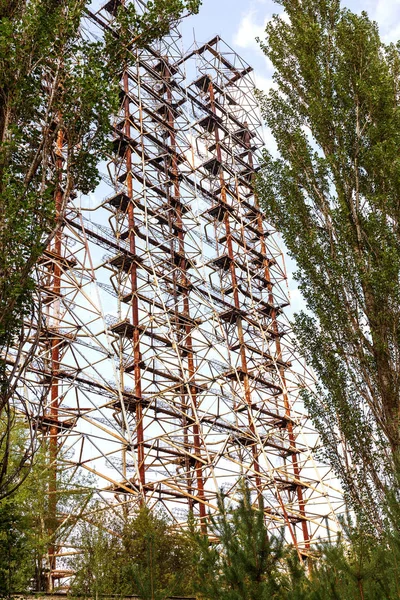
(143, 555)
(15, 549)
(25, 534)
(333, 193)
(357, 566)
(24, 549)
(159, 564)
(26, 530)
(140, 555)
(40, 98)
(16, 449)
(97, 567)
(247, 562)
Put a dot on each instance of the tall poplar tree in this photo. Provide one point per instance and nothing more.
(334, 194)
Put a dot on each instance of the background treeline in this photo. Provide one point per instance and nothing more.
(144, 554)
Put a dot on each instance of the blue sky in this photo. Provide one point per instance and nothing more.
(239, 22)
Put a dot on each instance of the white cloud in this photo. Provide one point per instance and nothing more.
(386, 14)
(249, 29)
(264, 83)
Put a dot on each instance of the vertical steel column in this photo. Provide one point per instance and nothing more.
(239, 325)
(135, 305)
(186, 309)
(55, 368)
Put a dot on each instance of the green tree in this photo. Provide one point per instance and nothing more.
(98, 565)
(247, 562)
(160, 563)
(357, 566)
(58, 91)
(15, 549)
(24, 516)
(20, 515)
(334, 194)
(136, 555)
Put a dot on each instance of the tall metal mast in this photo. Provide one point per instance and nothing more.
(171, 373)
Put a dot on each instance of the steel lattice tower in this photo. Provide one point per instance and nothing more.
(164, 354)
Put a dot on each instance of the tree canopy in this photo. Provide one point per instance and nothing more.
(137, 554)
(333, 192)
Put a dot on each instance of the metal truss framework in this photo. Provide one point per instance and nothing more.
(164, 350)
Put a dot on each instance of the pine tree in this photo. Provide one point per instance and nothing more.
(247, 561)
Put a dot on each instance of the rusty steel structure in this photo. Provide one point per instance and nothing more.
(164, 354)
